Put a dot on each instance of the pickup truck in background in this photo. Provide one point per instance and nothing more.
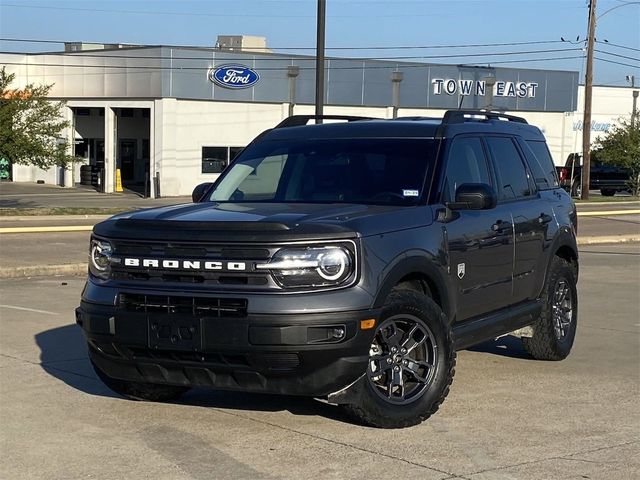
(607, 178)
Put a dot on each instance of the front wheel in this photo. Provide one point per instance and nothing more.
(555, 329)
(141, 391)
(607, 192)
(411, 364)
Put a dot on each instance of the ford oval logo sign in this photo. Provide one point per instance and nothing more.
(234, 76)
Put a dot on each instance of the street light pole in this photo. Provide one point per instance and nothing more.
(320, 59)
(588, 90)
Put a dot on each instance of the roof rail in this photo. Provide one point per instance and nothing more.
(461, 116)
(299, 120)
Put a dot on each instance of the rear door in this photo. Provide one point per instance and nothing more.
(531, 216)
(480, 242)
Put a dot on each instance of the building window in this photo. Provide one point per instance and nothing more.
(216, 159)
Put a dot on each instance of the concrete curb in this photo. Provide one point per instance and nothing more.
(603, 239)
(80, 269)
(53, 218)
(72, 269)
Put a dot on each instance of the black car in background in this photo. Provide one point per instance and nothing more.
(607, 178)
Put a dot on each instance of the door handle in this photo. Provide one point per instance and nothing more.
(544, 218)
(500, 226)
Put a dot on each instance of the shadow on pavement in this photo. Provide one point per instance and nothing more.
(63, 355)
(507, 346)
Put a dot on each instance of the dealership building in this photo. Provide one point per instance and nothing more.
(168, 118)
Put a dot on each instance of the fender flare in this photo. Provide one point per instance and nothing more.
(426, 266)
(564, 238)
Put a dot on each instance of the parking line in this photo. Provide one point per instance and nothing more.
(14, 307)
(61, 228)
(608, 213)
(88, 228)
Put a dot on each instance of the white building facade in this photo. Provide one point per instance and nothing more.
(166, 119)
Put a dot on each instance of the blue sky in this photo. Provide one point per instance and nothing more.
(350, 23)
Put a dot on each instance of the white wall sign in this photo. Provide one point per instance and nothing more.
(452, 86)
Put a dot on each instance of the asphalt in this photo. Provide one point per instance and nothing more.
(506, 417)
(32, 195)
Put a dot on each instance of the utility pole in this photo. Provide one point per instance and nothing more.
(396, 78)
(586, 121)
(634, 114)
(320, 59)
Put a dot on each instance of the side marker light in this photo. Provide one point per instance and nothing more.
(367, 324)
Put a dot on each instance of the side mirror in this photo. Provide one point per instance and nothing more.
(199, 191)
(474, 196)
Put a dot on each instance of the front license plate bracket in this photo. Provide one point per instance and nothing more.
(183, 334)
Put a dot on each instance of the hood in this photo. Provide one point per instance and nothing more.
(260, 221)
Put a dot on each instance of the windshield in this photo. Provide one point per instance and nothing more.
(363, 170)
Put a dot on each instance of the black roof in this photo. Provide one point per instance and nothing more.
(453, 123)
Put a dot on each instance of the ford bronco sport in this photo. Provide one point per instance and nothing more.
(347, 261)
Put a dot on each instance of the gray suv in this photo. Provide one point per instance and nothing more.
(347, 261)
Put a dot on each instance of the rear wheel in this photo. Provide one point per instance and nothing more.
(555, 329)
(411, 364)
(576, 188)
(606, 192)
(139, 390)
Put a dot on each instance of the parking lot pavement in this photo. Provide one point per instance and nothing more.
(507, 416)
(627, 225)
(32, 195)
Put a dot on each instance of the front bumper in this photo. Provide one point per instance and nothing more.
(293, 354)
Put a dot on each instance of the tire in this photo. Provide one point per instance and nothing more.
(555, 329)
(141, 391)
(409, 319)
(576, 188)
(606, 192)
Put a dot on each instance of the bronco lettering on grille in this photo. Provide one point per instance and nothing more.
(184, 264)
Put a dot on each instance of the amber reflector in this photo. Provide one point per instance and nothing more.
(367, 324)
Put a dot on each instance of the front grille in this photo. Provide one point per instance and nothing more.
(178, 305)
(189, 251)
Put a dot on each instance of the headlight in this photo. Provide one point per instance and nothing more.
(311, 267)
(100, 258)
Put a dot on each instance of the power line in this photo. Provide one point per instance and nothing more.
(618, 55)
(148, 12)
(619, 46)
(132, 68)
(386, 47)
(239, 59)
(537, 60)
(616, 63)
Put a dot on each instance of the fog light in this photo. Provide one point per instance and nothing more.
(338, 333)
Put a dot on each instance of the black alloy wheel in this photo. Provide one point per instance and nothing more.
(562, 308)
(403, 359)
(411, 364)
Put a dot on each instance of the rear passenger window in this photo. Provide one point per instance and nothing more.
(541, 164)
(513, 181)
(466, 164)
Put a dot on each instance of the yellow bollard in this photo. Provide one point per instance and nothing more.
(119, 188)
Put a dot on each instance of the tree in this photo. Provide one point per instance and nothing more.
(621, 146)
(31, 126)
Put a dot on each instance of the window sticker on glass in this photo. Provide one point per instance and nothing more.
(410, 193)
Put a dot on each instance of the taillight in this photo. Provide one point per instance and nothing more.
(564, 174)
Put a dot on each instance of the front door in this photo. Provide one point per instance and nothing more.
(480, 242)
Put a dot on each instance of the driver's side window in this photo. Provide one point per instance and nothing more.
(466, 163)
